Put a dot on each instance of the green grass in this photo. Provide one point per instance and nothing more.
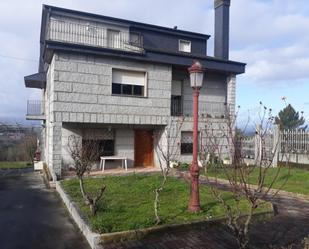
(15, 165)
(297, 180)
(128, 202)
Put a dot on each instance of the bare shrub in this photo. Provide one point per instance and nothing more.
(167, 151)
(222, 141)
(84, 154)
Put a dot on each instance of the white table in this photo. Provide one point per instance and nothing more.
(124, 161)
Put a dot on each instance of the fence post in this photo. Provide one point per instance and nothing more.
(258, 145)
(276, 145)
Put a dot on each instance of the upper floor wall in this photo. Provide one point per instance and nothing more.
(73, 27)
(86, 89)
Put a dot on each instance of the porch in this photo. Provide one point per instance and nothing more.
(123, 145)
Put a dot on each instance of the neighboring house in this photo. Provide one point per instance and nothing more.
(118, 81)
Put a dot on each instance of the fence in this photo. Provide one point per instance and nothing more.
(35, 108)
(277, 145)
(92, 35)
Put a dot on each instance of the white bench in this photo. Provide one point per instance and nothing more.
(124, 161)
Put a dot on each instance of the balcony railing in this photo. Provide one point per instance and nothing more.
(208, 109)
(35, 108)
(92, 35)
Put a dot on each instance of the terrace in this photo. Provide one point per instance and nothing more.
(94, 35)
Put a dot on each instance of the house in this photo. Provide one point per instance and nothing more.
(119, 81)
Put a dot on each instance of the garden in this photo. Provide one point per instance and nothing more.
(128, 202)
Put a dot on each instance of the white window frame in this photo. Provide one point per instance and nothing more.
(179, 42)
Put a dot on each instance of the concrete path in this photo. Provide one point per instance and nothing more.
(32, 216)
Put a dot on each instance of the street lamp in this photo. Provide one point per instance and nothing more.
(196, 79)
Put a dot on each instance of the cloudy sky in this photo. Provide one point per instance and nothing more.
(271, 36)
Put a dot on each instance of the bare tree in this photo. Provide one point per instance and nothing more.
(29, 146)
(84, 154)
(241, 182)
(167, 152)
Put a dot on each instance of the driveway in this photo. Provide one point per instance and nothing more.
(32, 216)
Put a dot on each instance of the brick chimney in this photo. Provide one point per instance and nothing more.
(222, 26)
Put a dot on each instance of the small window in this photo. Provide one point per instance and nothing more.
(130, 83)
(135, 39)
(185, 46)
(186, 142)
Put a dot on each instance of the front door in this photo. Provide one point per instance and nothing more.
(143, 148)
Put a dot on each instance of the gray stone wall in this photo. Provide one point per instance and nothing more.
(82, 92)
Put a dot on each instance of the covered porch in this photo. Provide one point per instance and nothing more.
(120, 145)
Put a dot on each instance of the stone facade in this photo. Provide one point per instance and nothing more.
(78, 93)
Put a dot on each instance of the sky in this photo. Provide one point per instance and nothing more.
(271, 36)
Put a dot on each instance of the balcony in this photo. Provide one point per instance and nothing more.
(208, 109)
(93, 35)
(35, 110)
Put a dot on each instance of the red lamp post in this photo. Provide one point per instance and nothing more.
(196, 79)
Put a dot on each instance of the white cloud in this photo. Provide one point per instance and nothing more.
(272, 38)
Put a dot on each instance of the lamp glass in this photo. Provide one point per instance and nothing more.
(196, 79)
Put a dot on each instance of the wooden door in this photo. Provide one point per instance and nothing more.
(143, 148)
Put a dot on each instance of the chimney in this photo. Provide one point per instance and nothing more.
(222, 26)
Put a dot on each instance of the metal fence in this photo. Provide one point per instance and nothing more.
(93, 35)
(35, 108)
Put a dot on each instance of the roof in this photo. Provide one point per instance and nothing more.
(127, 22)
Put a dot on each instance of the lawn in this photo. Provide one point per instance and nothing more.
(15, 165)
(128, 202)
(297, 179)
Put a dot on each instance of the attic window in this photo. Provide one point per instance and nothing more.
(185, 46)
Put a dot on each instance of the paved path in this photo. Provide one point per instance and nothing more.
(32, 216)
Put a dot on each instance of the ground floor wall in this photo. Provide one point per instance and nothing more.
(58, 158)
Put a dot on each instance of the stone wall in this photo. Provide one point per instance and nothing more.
(82, 89)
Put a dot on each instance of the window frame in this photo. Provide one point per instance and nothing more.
(145, 87)
(187, 41)
(181, 143)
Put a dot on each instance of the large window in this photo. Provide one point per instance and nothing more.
(185, 46)
(105, 146)
(186, 142)
(130, 83)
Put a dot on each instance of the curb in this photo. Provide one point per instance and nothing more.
(92, 238)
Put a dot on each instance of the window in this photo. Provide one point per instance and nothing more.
(105, 146)
(176, 99)
(176, 105)
(135, 39)
(186, 142)
(185, 46)
(130, 83)
(113, 38)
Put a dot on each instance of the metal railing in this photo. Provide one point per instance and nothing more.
(35, 108)
(208, 109)
(92, 35)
